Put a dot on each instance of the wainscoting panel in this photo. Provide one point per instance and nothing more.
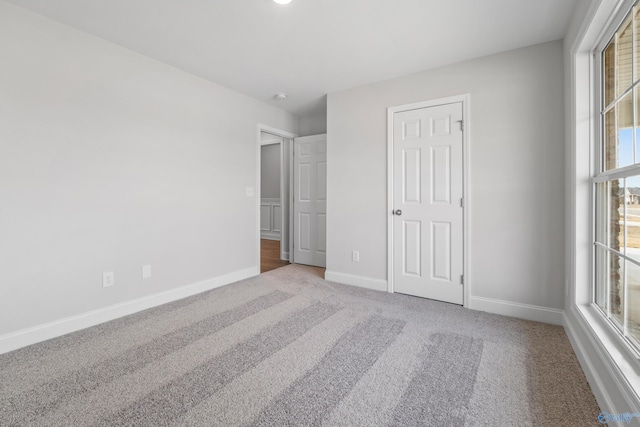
(270, 219)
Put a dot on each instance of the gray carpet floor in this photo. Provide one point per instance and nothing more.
(289, 348)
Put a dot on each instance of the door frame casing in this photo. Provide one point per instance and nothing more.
(465, 99)
(285, 135)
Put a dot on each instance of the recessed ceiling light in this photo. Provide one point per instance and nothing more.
(280, 96)
(282, 1)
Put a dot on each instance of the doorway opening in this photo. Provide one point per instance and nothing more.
(274, 222)
(273, 189)
(292, 214)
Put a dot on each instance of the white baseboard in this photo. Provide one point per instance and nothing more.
(25, 337)
(267, 235)
(514, 309)
(286, 256)
(611, 390)
(353, 280)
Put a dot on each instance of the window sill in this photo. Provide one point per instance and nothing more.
(622, 362)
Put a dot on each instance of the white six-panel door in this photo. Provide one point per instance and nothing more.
(310, 200)
(427, 202)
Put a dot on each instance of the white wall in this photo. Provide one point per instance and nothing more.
(270, 171)
(110, 160)
(314, 124)
(517, 172)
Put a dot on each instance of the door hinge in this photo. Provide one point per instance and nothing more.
(461, 124)
(462, 202)
(462, 279)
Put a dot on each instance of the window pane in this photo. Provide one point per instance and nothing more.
(625, 112)
(636, 53)
(615, 215)
(610, 141)
(609, 214)
(624, 57)
(632, 218)
(625, 147)
(618, 134)
(615, 203)
(625, 131)
(616, 276)
(602, 207)
(633, 301)
(602, 278)
(609, 72)
(637, 124)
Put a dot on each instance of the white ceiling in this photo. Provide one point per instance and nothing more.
(311, 47)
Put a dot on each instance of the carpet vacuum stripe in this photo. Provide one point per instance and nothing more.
(38, 402)
(241, 401)
(441, 388)
(166, 404)
(313, 395)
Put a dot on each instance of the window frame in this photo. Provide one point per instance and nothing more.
(611, 370)
(600, 175)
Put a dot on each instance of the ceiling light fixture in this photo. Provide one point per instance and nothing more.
(280, 96)
(282, 1)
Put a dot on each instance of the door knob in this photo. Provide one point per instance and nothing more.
(397, 212)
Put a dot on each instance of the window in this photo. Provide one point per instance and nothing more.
(617, 182)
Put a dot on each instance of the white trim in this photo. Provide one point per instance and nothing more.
(609, 385)
(276, 132)
(280, 133)
(29, 336)
(267, 143)
(283, 200)
(466, 181)
(614, 19)
(430, 103)
(286, 183)
(514, 309)
(465, 99)
(292, 144)
(270, 235)
(390, 112)
(353, 280)
(618, 173)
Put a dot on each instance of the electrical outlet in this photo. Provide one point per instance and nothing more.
(355, 256)
(107, 279)
(146, 271)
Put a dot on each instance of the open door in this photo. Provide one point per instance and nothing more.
(310, 200)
